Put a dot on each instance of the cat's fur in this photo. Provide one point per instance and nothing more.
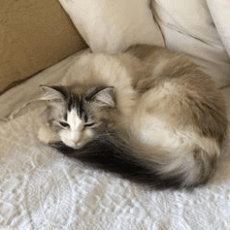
(149, 115)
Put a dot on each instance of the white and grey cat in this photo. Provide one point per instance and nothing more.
(148, 114)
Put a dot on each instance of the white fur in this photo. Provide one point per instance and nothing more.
(72, 136)
(107, 66)
(156, 132)
(106, 70)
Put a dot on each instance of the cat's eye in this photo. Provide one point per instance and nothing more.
(64, 124)
(89, 124)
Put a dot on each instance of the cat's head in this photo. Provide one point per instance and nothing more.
(78, 118)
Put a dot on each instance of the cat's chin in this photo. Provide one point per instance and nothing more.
(61, 145)
(74, 146)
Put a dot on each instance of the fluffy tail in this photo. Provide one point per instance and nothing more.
(114, 156)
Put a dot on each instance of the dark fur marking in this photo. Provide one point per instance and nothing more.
(62, 90)
(76, 102)
(206, 163)
(105, 155)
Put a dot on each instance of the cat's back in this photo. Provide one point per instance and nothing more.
(162, 63)
(172, 74)
(176, 93)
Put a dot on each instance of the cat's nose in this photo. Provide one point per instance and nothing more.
(75, 137)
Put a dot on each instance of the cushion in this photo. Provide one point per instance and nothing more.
(112, 26)
(220, 11)
(188, 26)
(34, 34)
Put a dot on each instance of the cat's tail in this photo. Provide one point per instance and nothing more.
(152, 167)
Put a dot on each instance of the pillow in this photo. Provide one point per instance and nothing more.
(33, 35)
(111, 26)
(220, 11)
(187, 26)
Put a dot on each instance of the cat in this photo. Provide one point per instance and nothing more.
(147, 114)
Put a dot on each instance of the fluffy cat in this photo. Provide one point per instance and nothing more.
(149, 115)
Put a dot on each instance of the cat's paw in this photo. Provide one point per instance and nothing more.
(46, 136)
(43, 135)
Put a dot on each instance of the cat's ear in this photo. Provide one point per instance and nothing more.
(103, 96)
(53, 92)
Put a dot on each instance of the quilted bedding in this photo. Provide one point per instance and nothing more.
(40, 189)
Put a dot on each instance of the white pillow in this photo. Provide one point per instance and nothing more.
(187, 26)
(111, 26)
(220, 11)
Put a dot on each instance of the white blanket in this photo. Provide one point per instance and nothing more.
(41, 189)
